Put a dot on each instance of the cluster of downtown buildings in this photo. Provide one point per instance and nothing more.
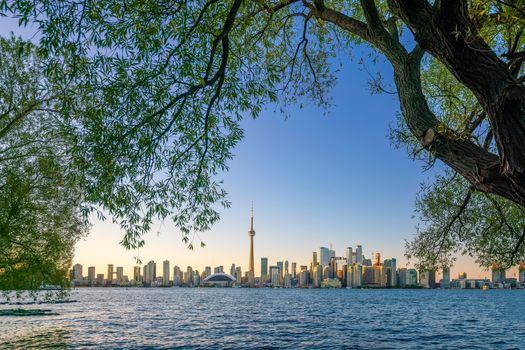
(326, 270)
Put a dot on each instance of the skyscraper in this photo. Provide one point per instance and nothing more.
(152, 271)
(264, 270)
(294, 270)
(251, 273)
(348, 256)
(359, 255)
(136, 273)
(77, 273)
(280, 265)
(324, 256)
(177, 276)
(166, 272)
(232, 270)
(445, 281)
(120, 274)
(315, 262)
(91, 274)
(286, 267)
(207, 271)
(110, 273)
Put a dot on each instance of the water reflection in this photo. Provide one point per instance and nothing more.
(51, 338)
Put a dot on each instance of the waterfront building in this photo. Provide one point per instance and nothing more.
(377, 259)
(219, 280)
(196, 279)
(145, 277)
(77, 273)
(100, 279)
(264, 270)
(324, 256)
(120, 274)
(251, 271)
(427, 279)
(406, 277)
(317, 277)
(445, 280)
(357, 275)
(367, 262)
(498, 274)
(359, 255)
(218, 269)
(315, 260)
(280, 264)
(275, 276)
(287, 280)
(188, 280)
(238, 275)
(110, 273)
(286, 267)
(326, 272)
(390, 266)
(462, 275)
(152, 271)
(294, 270)
(91, 275)
(521, 272)
(207, 271)
(348, 256)
(166, 272)
(232, 270)
(136, 273)
(303, 279)
(177, 276)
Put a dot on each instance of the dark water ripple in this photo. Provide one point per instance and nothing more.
(264, 318)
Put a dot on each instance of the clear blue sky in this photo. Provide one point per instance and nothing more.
(314, 179)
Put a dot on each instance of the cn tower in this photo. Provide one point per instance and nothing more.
(251, 233)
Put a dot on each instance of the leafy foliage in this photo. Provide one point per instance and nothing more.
(41, 215)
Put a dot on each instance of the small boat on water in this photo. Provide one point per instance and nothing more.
(485, 287)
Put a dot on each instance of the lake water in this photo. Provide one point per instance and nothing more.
(208, 318)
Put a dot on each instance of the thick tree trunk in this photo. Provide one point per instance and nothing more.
(449, 35)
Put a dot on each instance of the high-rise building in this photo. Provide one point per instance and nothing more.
(445, 281)
(166, 272)
(136, 273)
(152, 271)
(218, 269)
(110, 273)
(294, 270)
(251, 271)
(348, 256)
(91, 275)
(315, 262)
(189, 276)
(207, 271)
(177, 276)
(359, 255)
(280, 265)
(317, 277)
(275, 276)
(357, 275)
(377, 259)
(303, 279)
(238, 274)
(427, 279)
(498, 274)
(120, 274)
(232, 270)
(324, 256)
(287, 280)
(264, 270)
(145, 277)
(100, 279)
(286, 267)
(391, 271)
(77, 273)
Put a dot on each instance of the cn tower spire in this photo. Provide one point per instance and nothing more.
(251, 233)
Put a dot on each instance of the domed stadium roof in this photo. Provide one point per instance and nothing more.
(220, 277)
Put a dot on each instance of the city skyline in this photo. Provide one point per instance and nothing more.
(321, 256)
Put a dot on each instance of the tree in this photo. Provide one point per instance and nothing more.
(168, 81)
(41, 213)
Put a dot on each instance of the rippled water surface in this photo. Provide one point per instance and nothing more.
(116, 318)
